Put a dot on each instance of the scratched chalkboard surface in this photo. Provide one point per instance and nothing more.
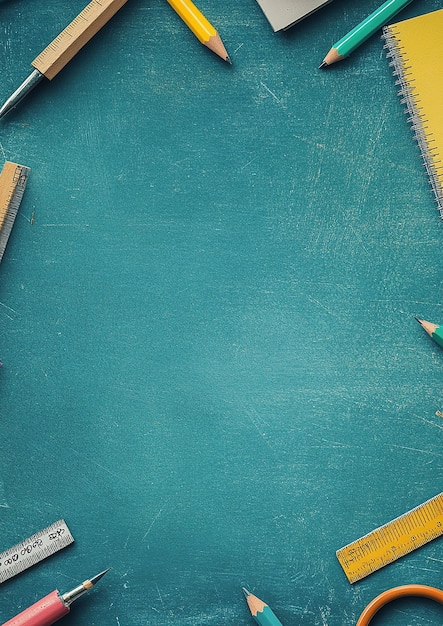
(211, 367)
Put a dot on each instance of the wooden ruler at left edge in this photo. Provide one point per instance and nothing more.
(13, 179)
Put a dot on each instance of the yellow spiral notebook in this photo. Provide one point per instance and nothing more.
(415, 50)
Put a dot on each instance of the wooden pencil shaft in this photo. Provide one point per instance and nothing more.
(66, 45)
(260, 611)
(363, 31)
(194, 19)
(267, 618)
(437, 335)
(369, 26)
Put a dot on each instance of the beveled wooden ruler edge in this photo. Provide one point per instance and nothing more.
(13, 180)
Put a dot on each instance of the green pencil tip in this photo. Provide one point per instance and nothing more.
(245, 591)
(322, 65)
(417, 320)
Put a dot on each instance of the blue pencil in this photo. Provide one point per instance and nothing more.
(260, 611)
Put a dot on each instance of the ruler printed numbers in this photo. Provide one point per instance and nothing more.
(59, 532)
(34, 549)
(27, 549)
(393, 540)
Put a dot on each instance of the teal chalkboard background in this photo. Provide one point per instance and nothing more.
(211, 367)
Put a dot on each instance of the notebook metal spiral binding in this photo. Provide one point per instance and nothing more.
(415, 119)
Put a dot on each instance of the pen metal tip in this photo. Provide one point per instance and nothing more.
(96, 578)
(70, 596)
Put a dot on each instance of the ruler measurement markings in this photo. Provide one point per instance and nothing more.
(78, 32)
(422, 518)
(393, 540)
(13, 180)
(435, 511)
(388, 535)
(438, 507)
(39, 546)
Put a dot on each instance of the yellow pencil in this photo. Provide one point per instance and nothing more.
(199, 25)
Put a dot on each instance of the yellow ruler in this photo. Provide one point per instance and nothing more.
(392, 540)
(66, 45)
(12, 187)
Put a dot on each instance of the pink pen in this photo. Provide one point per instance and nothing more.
(53, 606)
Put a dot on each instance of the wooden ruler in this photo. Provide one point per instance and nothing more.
(82, 28)
(12, 186)
(34, 549)
(392, 540)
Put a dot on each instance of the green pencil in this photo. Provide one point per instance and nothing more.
(434, 330)
(260, 611)
(363, 31)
